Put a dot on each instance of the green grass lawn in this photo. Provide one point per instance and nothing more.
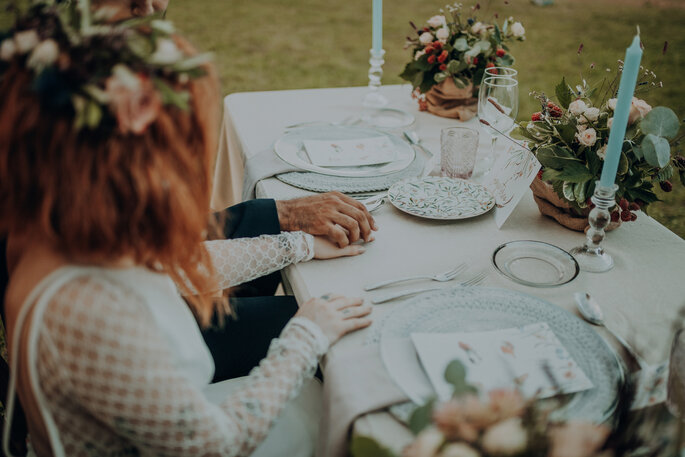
(276, 44)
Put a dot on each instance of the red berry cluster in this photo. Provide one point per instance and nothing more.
(490, 65)
(554, 110)
(626, 211)
(666, 186)
(536, 116)
(500, 52)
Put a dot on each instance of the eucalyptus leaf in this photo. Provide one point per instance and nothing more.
(656, 149)
(564, 96)
(575, 172)
(460, 83)
(422, 417)
(364, 446)
(552, 156)
(665, 173)
(661, 121)
(460, 44)
(507, 60)
(580, 192)
(440, 77)
(567, 189)
(484, 45)
(498, 35)
(637, 150)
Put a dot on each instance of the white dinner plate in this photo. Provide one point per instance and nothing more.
(439, 198)
(290, 148)
(480, 309)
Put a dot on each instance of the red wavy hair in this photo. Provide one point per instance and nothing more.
(101, 197)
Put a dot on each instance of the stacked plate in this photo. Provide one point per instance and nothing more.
(346, 158)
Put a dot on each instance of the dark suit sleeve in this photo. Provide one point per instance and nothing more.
(251, 218)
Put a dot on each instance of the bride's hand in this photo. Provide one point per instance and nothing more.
(336, 315)
(324, 249)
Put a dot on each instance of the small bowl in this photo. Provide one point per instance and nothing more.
(535, 263)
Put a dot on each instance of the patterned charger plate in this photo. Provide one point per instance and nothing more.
(480, 309)
(441, 198)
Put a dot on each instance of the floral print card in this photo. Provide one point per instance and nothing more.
(530, 357)
(510, 179)
(350, 153)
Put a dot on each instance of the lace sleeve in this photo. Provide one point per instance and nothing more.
(244, 259)
(99, 352)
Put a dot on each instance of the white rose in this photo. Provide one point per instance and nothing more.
(602, 152)
(577, 107)
(642, 106)
(436, 21)
(26, 40)
(610, 122)
(166, 53)
(425, 38)
(426, 443)
(459, 450)
(588, 137)
(443, 34)
(517, 29)
(43, 55)
(611, 104)
(505, 438)
(581, 127)
(419, 53)
(7, 49)
(591, 114)
(477, 28)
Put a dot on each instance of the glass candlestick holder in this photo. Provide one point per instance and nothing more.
(373, 98)
(592, 256)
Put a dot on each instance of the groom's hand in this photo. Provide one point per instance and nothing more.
(341, 219)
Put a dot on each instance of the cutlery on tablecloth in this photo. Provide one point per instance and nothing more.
(480, 277)
(441, 277)
(349, 120)
(414, 140)
(590, 311)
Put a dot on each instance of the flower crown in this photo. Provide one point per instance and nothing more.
(108, 75)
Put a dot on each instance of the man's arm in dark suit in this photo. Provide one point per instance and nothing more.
(249, 219)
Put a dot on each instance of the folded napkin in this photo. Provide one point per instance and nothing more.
(263, 165)
(356, 383)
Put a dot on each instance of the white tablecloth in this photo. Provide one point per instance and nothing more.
(640, 296)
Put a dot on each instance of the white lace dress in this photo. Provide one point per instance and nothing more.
(118, 363)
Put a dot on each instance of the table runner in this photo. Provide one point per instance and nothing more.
(351, 393)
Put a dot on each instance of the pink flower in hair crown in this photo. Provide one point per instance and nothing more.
(132, 99)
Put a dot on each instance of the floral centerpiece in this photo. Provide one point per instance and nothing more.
(570, 137)
(449, 56)
(504, 423)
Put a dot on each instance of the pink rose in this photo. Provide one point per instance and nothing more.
(132, 99)
(642, 106)
(577, 439)
(505, 438)
(426, 444)
(449, 418)
(587, 137)
(507, 403)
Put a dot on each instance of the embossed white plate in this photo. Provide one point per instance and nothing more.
(439, 198)
(291, 149)
(479, 309)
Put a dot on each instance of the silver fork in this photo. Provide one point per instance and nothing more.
(441, 277)
(480, 277)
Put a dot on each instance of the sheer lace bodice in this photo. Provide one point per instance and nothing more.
(122, 364)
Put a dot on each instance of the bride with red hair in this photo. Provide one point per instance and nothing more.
(107, 136)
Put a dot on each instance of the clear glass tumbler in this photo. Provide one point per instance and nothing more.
(458, 150)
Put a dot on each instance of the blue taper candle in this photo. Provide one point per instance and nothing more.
(631, 68)
(377, 25)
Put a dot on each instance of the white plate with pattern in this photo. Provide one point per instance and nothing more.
(481, 309)
(290, 148)
(439, 198)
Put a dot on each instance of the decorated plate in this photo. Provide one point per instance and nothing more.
(441, 198)
(482, 309)
(290, 148)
